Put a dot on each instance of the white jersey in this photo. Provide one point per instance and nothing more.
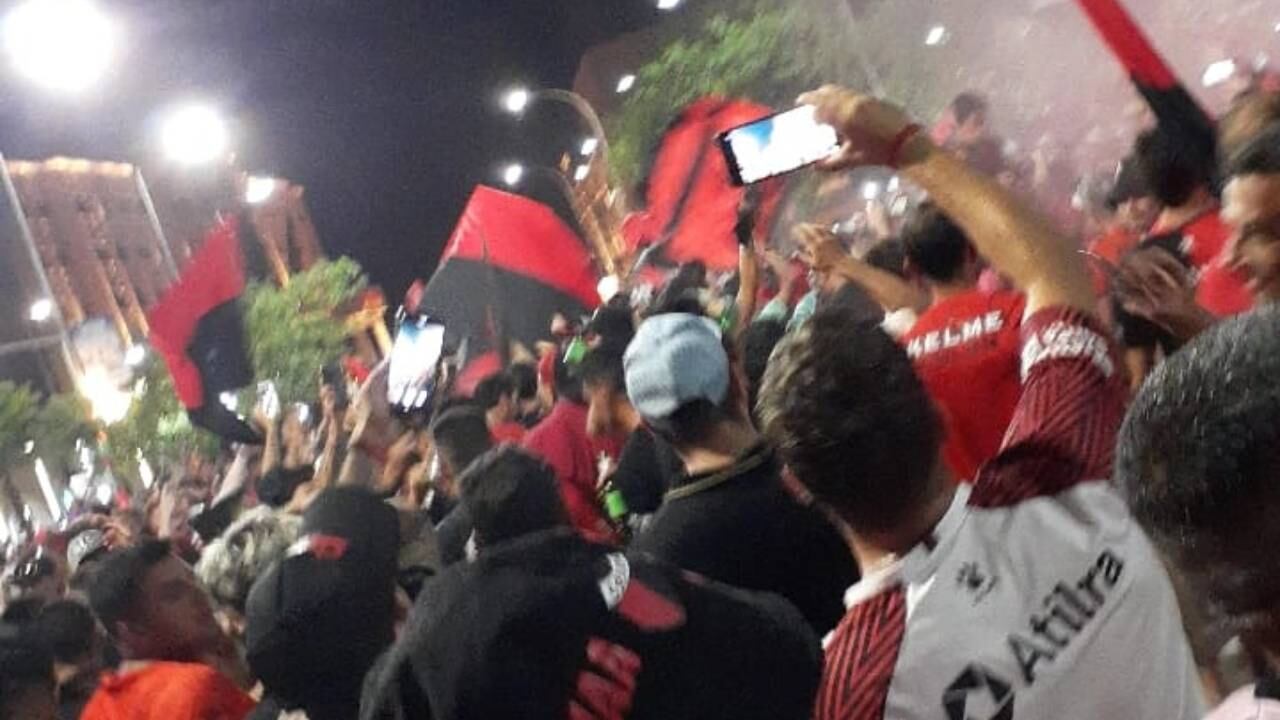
(1037, 595)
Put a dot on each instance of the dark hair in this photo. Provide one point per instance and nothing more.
(568, 379)
(968, 104)
(492, 390)
(690, 424)
(604, 366)
(509, 493)
(934, 244)
(524, 378)
(613, 323)
(1171, 167)
(1259, 156)
(842, 404)
(115, 591)
(25, 663)
(462, 435)
(23, 610)
(888, 255)
(67, 627)
(758, 342)
(1199, 450)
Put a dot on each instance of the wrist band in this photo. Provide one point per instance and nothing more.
(900, 141)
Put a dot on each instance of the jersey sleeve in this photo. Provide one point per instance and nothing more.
(1064, 427)
(861, 658)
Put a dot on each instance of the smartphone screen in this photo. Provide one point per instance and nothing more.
(415, 356)
(268, 400)
(777, 145)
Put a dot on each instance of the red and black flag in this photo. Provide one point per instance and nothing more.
(197, 327)
(510, 266)
(1174, 107)
(691, 203)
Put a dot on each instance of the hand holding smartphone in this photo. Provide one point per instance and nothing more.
(777, 145)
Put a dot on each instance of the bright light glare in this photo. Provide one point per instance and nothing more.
(1218, 72)
(936, 35)
(28, 447)
(668, 4)
(134, 356)
(894, 184)
(515, 101)
(589, 145)
(626, 82)
(195, 135)
(145, 473)
(64, 45)
(46, 489)
(229, 401)
(870, 190)
(258, 190)
(41, 310)
(107, 401)
(103, 494)
(512, 174)
(581, 172)
(608, 287)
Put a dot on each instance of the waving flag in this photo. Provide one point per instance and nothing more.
(1174, 108)
(691, 204)
(197, 327)
(510, 265)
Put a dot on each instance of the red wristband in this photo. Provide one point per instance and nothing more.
(900, 141)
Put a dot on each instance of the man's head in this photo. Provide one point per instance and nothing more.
(1173, 169)
(970, 113)
(1252, 207)
(27, 686)
(843, 406)
(1131, 199)
(679, 378)
(1199, 458)
(69, 629)
(496, 395)
(460, 435)
(605, 386)
(524, 378)
(150, 602)
(509, 493)
(937, 249)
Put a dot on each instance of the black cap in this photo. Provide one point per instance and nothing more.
(319, 618)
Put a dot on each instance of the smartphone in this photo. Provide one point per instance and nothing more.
(777, 145)
(415, 359)
(334, 377)
(268, 400)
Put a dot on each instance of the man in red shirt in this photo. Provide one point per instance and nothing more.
(965, 346)
(496, 395)
(161, 619)
(562, 441)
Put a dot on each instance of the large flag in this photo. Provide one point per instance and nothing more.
(692, 205)
(1174, 107)
(510, 266)
(198, 329)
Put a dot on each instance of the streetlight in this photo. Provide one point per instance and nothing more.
(512, 174)
(64, 45)
(581, 172)
(1218, 72)
(937, 34)
(668, 4)
(41, 310)
(589, 145)
(516, 100)
(625, 83)
(258, 190)
(134, 356)
(195, 135)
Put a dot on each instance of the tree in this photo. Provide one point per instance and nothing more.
(296, 330)
(18, 408)
(62, 423)
(763, 50)
(156, 428)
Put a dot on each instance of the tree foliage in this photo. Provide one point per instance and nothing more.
(762, 50)
(19, 405)
(62, 422)
(296, 330)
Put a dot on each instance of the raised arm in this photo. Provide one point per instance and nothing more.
(823, 252)
(1014, 239)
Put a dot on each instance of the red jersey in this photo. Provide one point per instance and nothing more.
(168, 691)
(561, 440)
(1109, 246)
(1219, 289)
(965, 350)
(510, 432)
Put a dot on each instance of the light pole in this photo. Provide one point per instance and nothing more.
(517, 100)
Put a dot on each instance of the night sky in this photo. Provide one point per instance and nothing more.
(387, 111)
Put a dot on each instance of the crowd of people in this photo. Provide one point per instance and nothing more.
(983, 469)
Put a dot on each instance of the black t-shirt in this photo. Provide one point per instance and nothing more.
(646, 468)
(506, 636)
(742, 527)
